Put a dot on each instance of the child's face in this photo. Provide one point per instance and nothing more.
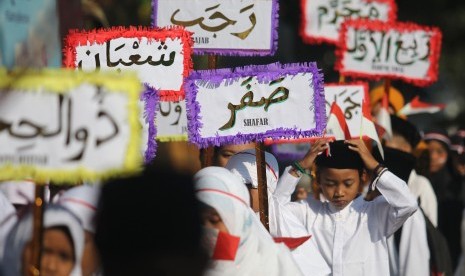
(211, 219)
(225, 152)
(57, 253)
(438, 155)
(339, 186)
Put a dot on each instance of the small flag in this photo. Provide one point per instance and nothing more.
(337, 124)
(417, 107)
(368, 129)
(383, 119)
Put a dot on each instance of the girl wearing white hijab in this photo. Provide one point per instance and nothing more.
(61, 249)
(242, 247)
(284, 226)
(82, 202)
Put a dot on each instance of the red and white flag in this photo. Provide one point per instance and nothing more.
(416, 107)
(383, 119)
(337, 124)
(367, 128)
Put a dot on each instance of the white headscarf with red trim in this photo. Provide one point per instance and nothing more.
(21, 234)
(82, 202)
(257, 253)
(244, 165)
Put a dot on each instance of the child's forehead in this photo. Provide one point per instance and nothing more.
(338, 172)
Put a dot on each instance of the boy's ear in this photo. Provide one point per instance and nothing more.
(364, 177)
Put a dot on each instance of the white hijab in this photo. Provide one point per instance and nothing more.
(82, 202)
(257, 253)
(21, 234)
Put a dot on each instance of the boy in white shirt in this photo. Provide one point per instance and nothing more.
(350, 232)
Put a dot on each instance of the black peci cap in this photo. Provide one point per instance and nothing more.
(405, 129)
(341, 157)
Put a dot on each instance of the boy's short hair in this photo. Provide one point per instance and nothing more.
(339, 157)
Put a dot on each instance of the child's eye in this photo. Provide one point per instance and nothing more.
(215, 219)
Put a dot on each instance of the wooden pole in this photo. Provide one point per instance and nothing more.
(37, 229)
(387, 87)
(209, 152)
(262, 185)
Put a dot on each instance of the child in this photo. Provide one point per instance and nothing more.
(82, 202)
(350, 232)
(236, 241)
(62, 244)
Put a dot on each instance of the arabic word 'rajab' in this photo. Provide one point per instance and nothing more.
(279, 95)
(217, 16)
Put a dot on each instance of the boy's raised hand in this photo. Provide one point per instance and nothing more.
(318, 147)
(359, 146)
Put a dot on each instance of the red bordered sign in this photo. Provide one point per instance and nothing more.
(374, 50)
(321, 19)
(160, 56)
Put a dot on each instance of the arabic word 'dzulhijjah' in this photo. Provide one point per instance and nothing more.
(25, 129)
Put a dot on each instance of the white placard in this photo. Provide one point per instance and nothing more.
(171, 121)
(222, 27)
(350, 98)
(160, 68)
(321, 19)
(404, 51)
(254, 103)
(86, 131)
(161, 57)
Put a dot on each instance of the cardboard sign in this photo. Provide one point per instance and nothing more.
(373, 49)
(225, 27)
(321, 19)
(67, 126)
(29, 34)
(349, 97)
(254, 103)
(161, 57)
(171, 121)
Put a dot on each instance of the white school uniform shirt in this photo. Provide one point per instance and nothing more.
(353, 241)
(282, 222)
(421, 187)
(413, 255)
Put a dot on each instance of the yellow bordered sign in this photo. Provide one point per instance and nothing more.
(66, 126)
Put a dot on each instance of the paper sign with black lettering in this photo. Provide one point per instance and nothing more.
(68, 126)
(161, 57)
(226, 27)
(321, 19)
(171, 121)
(374, 50)
(252, 103)
(349, 97)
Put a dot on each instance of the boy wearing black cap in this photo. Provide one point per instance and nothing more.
(351, 233)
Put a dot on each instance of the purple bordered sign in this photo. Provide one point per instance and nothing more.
(252, 103)
(226, 27)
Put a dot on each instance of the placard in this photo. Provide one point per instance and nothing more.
(321, 19)
(226, 27)
(349, 97)
(29, 34)
(67, 126)
(252, 103)
(374, 50)
(171, 121)
(161, 57)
